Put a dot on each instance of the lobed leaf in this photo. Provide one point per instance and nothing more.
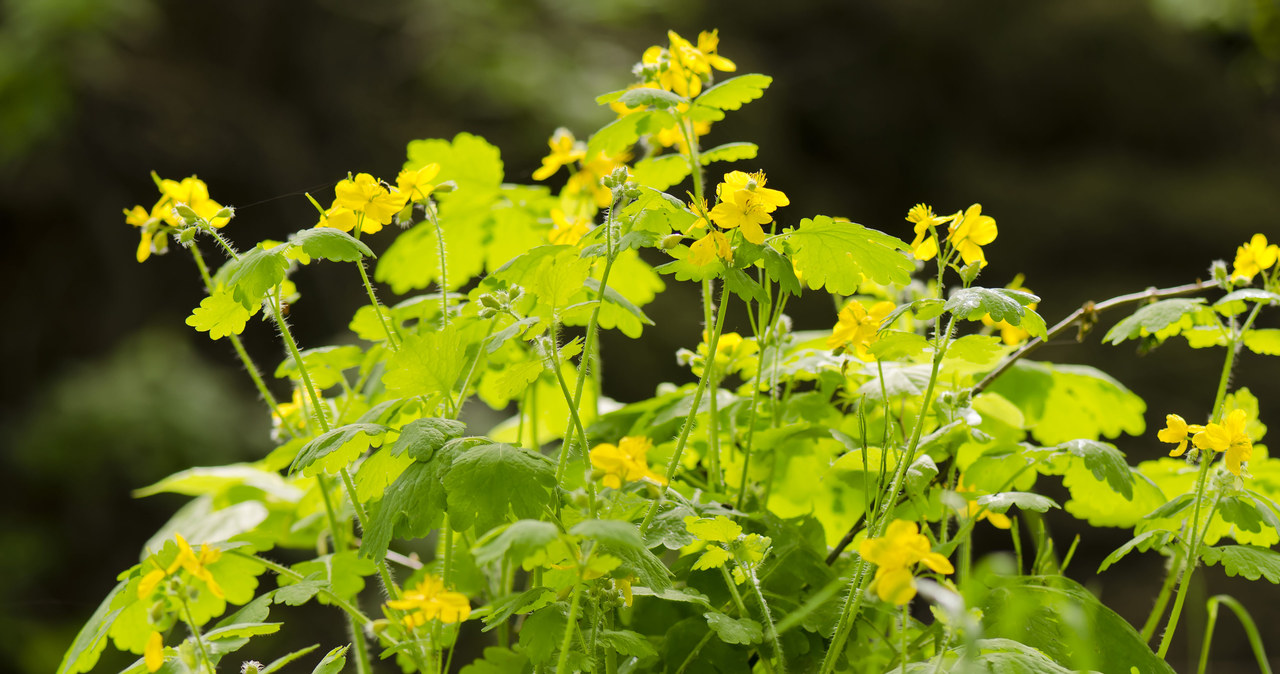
(490, 482)
(1251, 561)
(1152, 318)
(734, 92)
(729, 152)
(220, 315)
(330, 244)
(344, 441)
(836, 255)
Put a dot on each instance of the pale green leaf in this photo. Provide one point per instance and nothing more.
(661, 172)
(344, 442)
(330, 244)
(1000, 503)
(734, 631)
(256, 273)
(836, 255)
(333, 661)
(517, 541)
(1152, 318)
(650, 97)
(734, 92)
(1264, 341)
(619, 134)
(729, 152)
(83, 653)
(219, 315)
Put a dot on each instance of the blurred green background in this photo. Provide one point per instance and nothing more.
(1118, 143)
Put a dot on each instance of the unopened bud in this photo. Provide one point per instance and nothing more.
(251, 667)
(186, 236)
(670, 241)
(1218, 272)
(184, 211)
(446, 186)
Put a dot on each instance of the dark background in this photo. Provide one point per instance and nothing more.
(1119, 144)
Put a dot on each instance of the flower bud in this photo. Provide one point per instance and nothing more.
(251, 667)
(187, 236)
(1218, 272)
(670, 241)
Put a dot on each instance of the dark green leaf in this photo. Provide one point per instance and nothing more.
(491, 481)
(330, 244)
(1173, 507)
(541, 633)
(257, 272)
(530, 600)
(744, 286)
(779, 269)
(731, 631)
(518, 540)
(628, 643)
(1250, 295)
(1250, 561)
(422, 437)
(498, 661)
(411, 506)
(1141, 539)
(1001, 304)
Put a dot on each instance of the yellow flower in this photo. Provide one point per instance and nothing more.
(564, 151)
(1177, 431)
(430, 601)
(189, 560)
(624, 462)
(746, 203)
(365, 195)
(708, 43)
(1228, 437)
(195, 194)
(857, 327)
(150, 222)
(732, 354)
(895, 553)
(566, 231)
(416, 184)
(708, 248)
(154, 653)
(925, 245)
(970, 232)
(1254, 257)
(340, 218)
(997, 520)
(674, 136)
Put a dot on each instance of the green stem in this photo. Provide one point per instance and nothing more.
(875, 529)
(674, 463)
(444, 278)
(351, 611)
(446, 540)
(195, 632)
(553, 354)
(1162, 599)
(363, 664)
(771, 631)
(377, 307)
(1193, 556)
(715, 480)
(1250, 629)
(567, 641)
(742, 611)
(769, 331)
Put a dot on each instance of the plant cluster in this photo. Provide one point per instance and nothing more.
(783, 512)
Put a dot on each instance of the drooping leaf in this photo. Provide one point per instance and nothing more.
(1001, 304)
(339, 446)
(219, 315)
(614, 297)
(1000, 503)
(733, 93)
(1104, 461)
(835, 255)
(411, 506)
(779, 269)
(1147, 538)
(518, 541)
(744, 286)
(541, 633)
(1152, 318)
(330, 244)
(490, 482)
(651, 97)
(241, 630)
(1251, 561)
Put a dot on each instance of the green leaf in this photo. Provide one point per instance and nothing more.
(628, 643)
(333, 661)
(661, 172)
(981, 350)
(255, 273)
(714, 558)
(1141, 539)
(469, 160)
(412, 505)
(620, 134)
(1063, 402)
(330, 244)
(490, 481)
(421, 438)
(780, 271)
(731, 631)
(524, 602)
(613, 532)
(324, 364)
(1001, 304)
(1000, 503)
(277, 664)
(744, 286)
(1250, 561)
(219, 315)
(734, 92)
(413, 259)
(343, 443)
(300, 592)
(1248, 294)
(92, 638)
(541, 632)
(1062, 619)
(1265, 342)
(498, 661)
(1104, 461)
(835, 255)
(616, 298)
(343, 573)
(429, 364)
(518, 541)
(1170, 509)
(622, 540)
(729, 152)
(1152, 318)
(241, 630)
(648, 96)
(719, 529)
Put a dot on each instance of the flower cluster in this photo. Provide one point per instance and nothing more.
(163, 219)
(683, 67)
(745, 203)
(858, 327)
(733, 354)
(1228, 437)
(968, 233)
(195, 564)
(429, 600)
(584, 193)
(365, 205)
(1254, 258)
(896, 554)
(625, 461)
